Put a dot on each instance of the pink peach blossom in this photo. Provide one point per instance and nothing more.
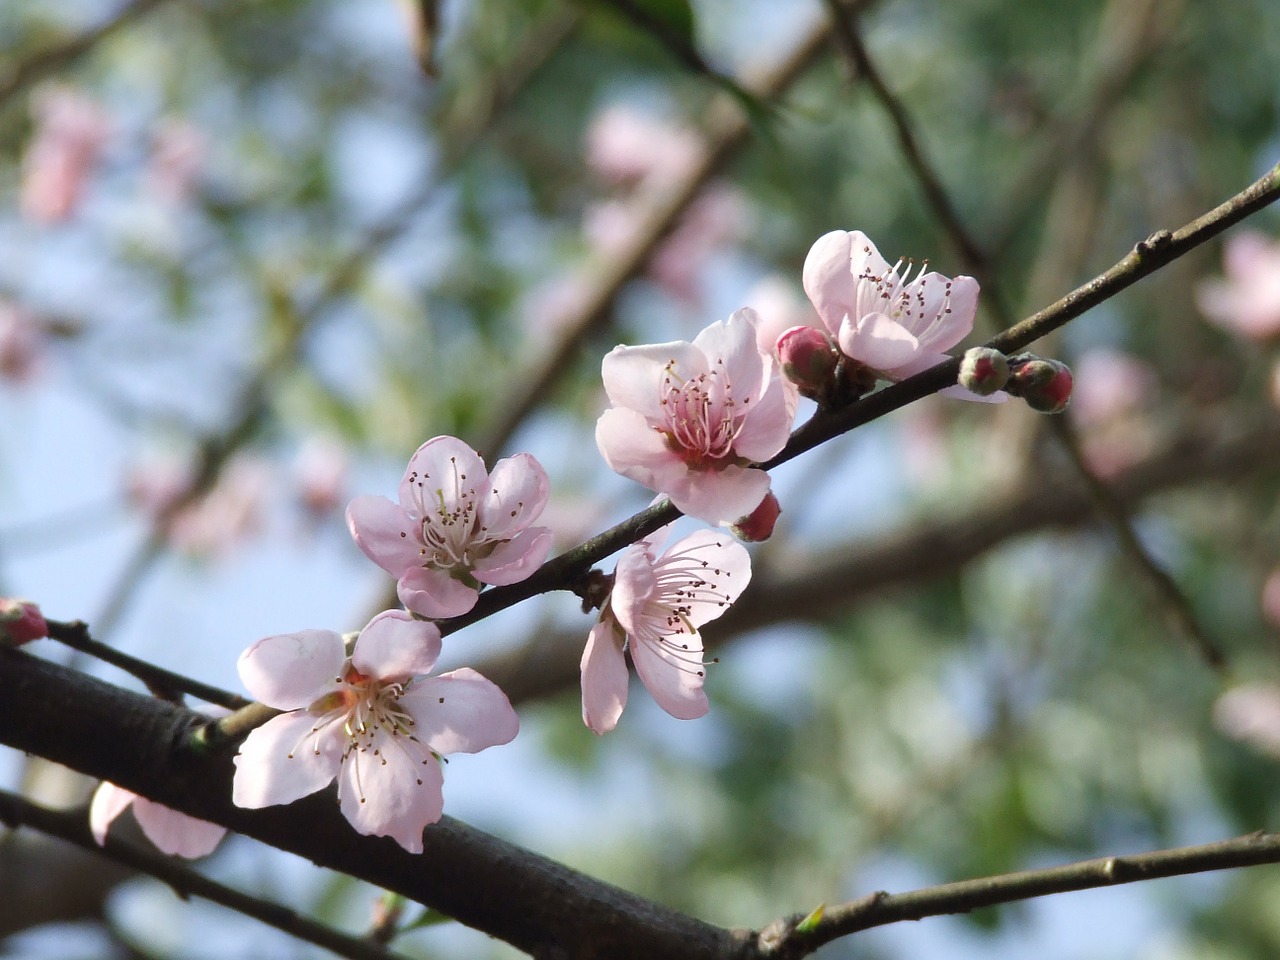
(71, 132)
(654, 611)
(1247, 301)
(373, 721)
(456, 526)
(894, 325)
(23, 341)
(625, 146)
(690, 420)
(172, 832)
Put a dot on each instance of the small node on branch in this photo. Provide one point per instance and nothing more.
(1157, 240)
(593, 589)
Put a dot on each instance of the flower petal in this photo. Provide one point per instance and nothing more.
(435, 594)
(718, 569)
(674, 679)
(385, 533)
(176, 833)
(393, 789)
(292, 670)
(634, 583)
(877, 341)
(284, 759)
(633, 376)
(442, 474)
(516, 559)
(518, 490)
(827, 278)
(718, 496)
(954, 311)
(632, 447)
(461, 712)
(767, 427)
(604, 677)
(730, 346)
(394, 645)
(109, 801)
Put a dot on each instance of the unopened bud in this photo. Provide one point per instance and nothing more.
(1044, 384)
(983, 371)
(758, 525)
(808, 358)
(20, 622)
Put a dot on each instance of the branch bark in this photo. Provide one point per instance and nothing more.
(527, 900)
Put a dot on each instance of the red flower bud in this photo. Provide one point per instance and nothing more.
(984, 371)
(20, 622)
(808, 359)
(1044, 384)
(758, 525)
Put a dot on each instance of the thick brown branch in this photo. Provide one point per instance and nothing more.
(527, 900)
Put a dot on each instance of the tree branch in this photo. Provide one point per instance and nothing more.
(789, 937)
(527, 900)
(73, 827)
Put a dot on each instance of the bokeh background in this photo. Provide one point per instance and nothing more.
(253, 254)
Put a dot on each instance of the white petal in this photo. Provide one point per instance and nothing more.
(604, 678)
(176, 833)
(385, 533)
(285, 759)
(518, 490)
(460, 712)
(109, 801)
(633, 376)
(442, 474)
(827, 278)
(877, 341)
(718, 496)
(394, 645)
(715, 569)
(516, 559)
(293, 670)
(633, 585)
(392, 789)
(435, 594)
(673, 677)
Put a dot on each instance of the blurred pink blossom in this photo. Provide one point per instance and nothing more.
(172, 832)
(320, 473)
(227, 515)
(23, 340)
(211, 525)
(1271, 599)
(625, 146)
(1247, 301)
(780, 305)
(1113, 393)
(71, 132)
(1109, 384)
(717, 218)
(178, 150)
(1250, 713)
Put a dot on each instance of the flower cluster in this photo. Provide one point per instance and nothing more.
(696, 421)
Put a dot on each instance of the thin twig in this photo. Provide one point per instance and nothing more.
(787, 938)
(160, 682)
(815, 586)
(45, 62)
(1166, 590)
(73, 827)
(1148, 256)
